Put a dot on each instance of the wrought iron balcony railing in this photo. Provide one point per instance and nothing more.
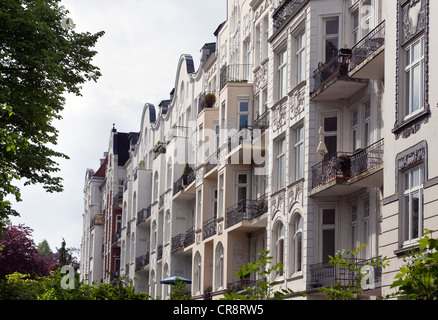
(209, 228)
(159, 252)
(262, 121)
(246, 210)
(367, 159)
(235, 73)
(369, 44)
(286, 9)
(325, 274)
(143, 214)
(178, 242)
(337, 66)
(335, 166)
(116, 236)
(190, 237)
(142, 261)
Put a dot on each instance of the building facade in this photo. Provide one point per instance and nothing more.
(282, 140)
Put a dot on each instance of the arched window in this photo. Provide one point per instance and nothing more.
(154, 235)
(219, 266)
(156, 185)
(296, 245)
(279, 244)
(165, 286)
(167, 227)
(197, 274)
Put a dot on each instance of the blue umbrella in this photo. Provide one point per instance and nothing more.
(174, 279)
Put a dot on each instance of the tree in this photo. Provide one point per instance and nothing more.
(65, 256)
(41, 58)
(265, 289)
(418, 278)
(44, 248)
(20, 254)
(356, 272)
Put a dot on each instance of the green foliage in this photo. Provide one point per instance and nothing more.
(348, 262)
(264, 270)
(41, 59)
(179, 291)
(418, 278)
(19, 286)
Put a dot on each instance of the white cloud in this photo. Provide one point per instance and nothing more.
(138, 56)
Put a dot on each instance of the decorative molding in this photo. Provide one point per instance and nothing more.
(261, 77)
(412, 19)
(295, 194)
(279, 116)
(277, 202)
(296, 102)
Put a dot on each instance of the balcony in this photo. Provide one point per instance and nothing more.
(331, 80)
(207, 101)
(189, 237)
(96, 221)
(235, 73)
(247, 210)
(284, 11)
(325, 274)
(368, 56)
(143, 215)
(345, 172)
(115, 237)
(141, 262)
(178, 242)
(161, 201)
(330, 176)
(183, 182)
(209, 228)
(367, 166)
(262, 121)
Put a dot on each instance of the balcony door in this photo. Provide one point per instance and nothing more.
(331, 134)
(242, 189)
(328, 233)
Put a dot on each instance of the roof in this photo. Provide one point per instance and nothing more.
(101, 171)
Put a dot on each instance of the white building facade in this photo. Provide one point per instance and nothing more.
(284, 140)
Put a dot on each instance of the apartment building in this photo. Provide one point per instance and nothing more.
(283, 139)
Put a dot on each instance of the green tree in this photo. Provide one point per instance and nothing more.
(265, 289)
(418, 278)
(356, 272)
(41, 58)
(44, 248)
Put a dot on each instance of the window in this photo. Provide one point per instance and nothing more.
(214, 202)
(197, 274)
(281, 74)
(355, 19)
(221, 195)
(219, 272)
(281, 163)
(301, 57)
(414, 77)
(413, 204)
(279, 245)
(367, 124)
(242, 187)
(299, 153)
(331, 137)
(366, 228)
(331, 37)
(243, 115)
(355, 125)
(265, 37)
(297, 244)
(354, 229)
(328, 233)
(156, 186)
(258, 46)
(247, 47)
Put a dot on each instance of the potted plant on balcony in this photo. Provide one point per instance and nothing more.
(187, 170)
(209, 100)
(344, 164)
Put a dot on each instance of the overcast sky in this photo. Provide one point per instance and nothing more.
(138, 57)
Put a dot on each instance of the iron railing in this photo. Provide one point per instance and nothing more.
(141, 261)
(159, 252)
(143, 214)
(97, 220)
(202, 104)
(190, 237)
(333, 167)
(178, 242)
(324, 274)
(116, 236)
(246, 210)
(211, 162)
(178, 185)
(262, 121)
(235, 73)
(241, 285)
(369, 44)
(337, 66)
(284, 10)
(367, 159)
(209, 228)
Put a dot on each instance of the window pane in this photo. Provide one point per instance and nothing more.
(415, 214)
(331, 47)
(416, 178)
(243, 178)
(244, 106)
(416, 51)
(416, 84)
(407, 234)
(331, 26)
(328, 244)
(331, 124)
(328, 216)
(243, 121)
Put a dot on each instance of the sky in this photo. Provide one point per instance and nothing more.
(138, 58)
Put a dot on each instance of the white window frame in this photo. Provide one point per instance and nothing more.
(409, 82)
(281, 163)
(299, 152)
(330, 36)
(409, 190)
(300, 56)
(281, 73)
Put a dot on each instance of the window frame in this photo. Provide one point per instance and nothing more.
(408, 236)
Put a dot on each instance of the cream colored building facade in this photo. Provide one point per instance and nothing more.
(297, 154)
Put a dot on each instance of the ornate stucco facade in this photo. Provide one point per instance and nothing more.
(318, 138)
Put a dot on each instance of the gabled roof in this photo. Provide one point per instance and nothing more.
(101, 171)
